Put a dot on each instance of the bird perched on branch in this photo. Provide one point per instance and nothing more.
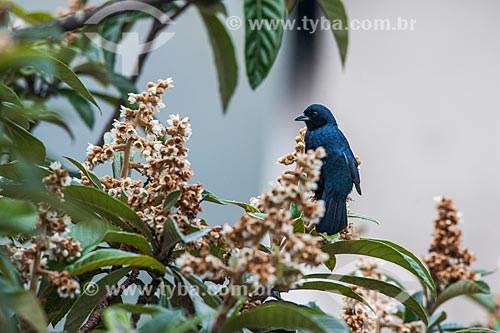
(339, 171)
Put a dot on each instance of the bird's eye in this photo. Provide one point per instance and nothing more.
(314, 114)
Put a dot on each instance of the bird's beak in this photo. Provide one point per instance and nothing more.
(302, 117)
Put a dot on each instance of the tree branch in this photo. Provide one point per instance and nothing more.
(96, 318)
(77, 20)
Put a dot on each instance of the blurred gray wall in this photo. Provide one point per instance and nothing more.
(421, 109)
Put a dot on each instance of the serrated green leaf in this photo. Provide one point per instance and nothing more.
(112, 257)
(459, 288)
(332, 287)
(384, 250)
(224, 56)
(43, 62)
(129, 238)
(100, 200)
(284, 315)
(380, 286)
(90, 233)
(262, 43)
(335, 12)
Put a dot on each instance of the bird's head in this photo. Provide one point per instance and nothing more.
(317, 115)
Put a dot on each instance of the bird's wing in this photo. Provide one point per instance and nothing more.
(353, 168)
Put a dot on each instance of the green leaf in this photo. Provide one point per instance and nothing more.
(224, 55)
(90, 175)
(332, 287)
(335, 12)
(8, 95)
(284, 315)
(51, 117)
(459, 288)
(210, 197)
(117, 321)
(380, 286)
(27, 147)
(113, 257)
(207, 295)
(97, 71)
(212, 7)
(81, 106)
(17, 216)
(408, 315)
(354, 215)
(298, 225)
(98, 199)
(171, 199)
(476, 330)
(247, 207)
(43, 62)
(91, 232)
(260, 216)
(129, 238)
(27, 307)
(384, 250)
(172, 235)
(91, 295)
(262, 43)
(436, 319)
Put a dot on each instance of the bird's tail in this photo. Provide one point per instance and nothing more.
(335, 219)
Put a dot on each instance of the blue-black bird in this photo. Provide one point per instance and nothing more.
(339, 171)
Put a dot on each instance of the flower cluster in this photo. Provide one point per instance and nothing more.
(64, 284)
(246, 262)
(361, 318)
(50, 243)
(448, 260)
(300, 148)
(58, 179)
(159, 156)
